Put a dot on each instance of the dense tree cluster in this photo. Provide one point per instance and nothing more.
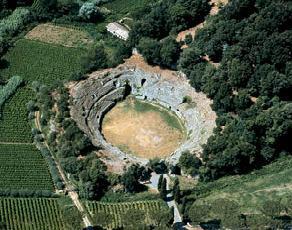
(250, 89)
(168, 16)
(154, 24)
(133, 177)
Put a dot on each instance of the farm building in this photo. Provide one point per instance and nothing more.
(118, 30)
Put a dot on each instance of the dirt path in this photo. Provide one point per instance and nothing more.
(68, 185)
(288, 186)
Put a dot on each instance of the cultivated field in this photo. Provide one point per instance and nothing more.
(116, 210)
(60, 35)
(23, 167)
(47, 63)
(14, 125)
(143, 129)
(30, 214)
(33, 61)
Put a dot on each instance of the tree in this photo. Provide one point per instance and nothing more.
(150, 49)
(95, 59)
(188, 39)
(130, 179)
(189, 163)
(176, 190)
(160, 182)
(169, 53)
(158, 166)
(163, 189)
(199, 213)
(89, 11)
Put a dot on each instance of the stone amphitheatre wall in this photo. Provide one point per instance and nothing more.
(94, 97)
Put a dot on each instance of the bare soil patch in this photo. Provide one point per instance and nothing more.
(59, 35)
(145, 133)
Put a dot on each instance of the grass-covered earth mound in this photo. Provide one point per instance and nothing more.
(143, 129)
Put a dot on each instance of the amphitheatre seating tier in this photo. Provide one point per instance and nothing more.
(94, 97)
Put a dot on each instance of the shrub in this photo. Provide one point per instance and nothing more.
(9, 89)
(13, 23)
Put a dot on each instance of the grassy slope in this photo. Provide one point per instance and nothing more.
(251, 190)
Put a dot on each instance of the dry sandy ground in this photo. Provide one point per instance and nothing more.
(144, 134)
(53, 34)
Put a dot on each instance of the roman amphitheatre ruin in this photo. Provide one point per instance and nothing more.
(135, 112)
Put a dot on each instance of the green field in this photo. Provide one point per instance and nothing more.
(250, 191)
(14, 125)
(116, 210)
(47, 63)
(30, 214)
(23, 167)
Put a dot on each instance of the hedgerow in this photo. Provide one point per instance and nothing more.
(9, 89)
(14, 22)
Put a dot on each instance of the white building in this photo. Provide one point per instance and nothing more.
(118, 30)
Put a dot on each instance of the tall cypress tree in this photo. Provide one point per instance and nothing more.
(163, 191)
(176, 190)
(160, 182)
